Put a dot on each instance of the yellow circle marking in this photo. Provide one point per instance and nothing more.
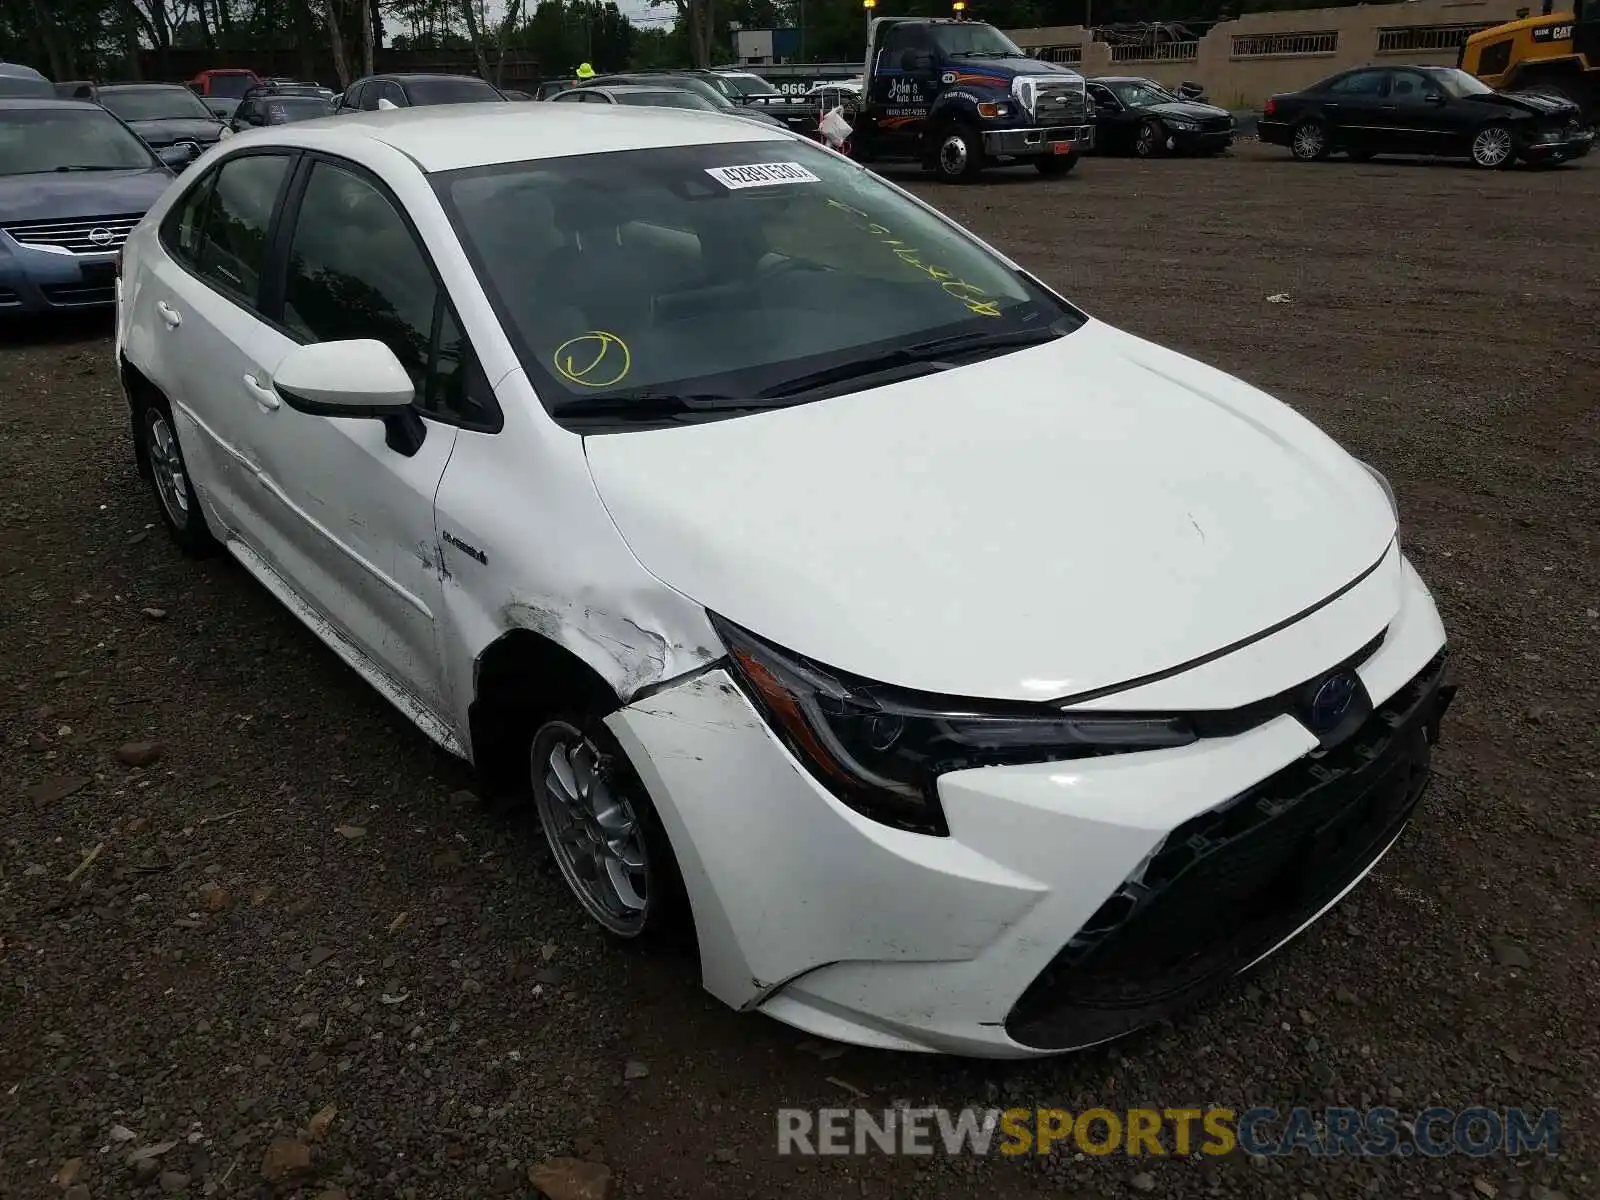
(596, 359)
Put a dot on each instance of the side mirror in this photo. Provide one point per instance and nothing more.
(179, 155)
(386, 105)
(357, 378)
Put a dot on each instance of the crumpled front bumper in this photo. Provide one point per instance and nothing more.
(1035, 142)
(1021, 933)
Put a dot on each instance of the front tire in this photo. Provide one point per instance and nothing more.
(602, 829)
(1150, 141)
(1309, 142)
(1055, 164)
(1494, 147)
(170, 481)
(958, 155)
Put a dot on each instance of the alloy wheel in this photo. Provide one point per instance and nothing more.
(1308, 141)
(592, 828)
(1492, 146)
(166, 465)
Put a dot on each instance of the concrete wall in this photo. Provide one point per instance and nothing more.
(1244, 61)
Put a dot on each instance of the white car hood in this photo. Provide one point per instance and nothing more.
(1055, 521)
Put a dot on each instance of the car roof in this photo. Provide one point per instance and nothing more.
(631, 89)
(1123, 79)
(424, 75)
(141, 87)
(12, 103)
(447, 137)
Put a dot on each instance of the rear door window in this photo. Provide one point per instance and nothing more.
(236, 221)
(1363, 84)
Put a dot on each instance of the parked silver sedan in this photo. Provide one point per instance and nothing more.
(647, 96)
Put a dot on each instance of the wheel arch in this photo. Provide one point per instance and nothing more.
(138, 389)
(518, 679)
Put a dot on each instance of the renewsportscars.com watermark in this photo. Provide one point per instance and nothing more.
(1431, 1133)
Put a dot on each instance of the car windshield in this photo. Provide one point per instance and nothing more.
(727, 276)
(283, 109)
(750, 85)
(973, 39)
(1135, 93)
(665, 98)
(1459, 84)
(461, 90)
(155, 104)
(231, 87)
(34, 141)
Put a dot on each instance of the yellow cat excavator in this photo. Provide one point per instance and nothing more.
(1552, 52)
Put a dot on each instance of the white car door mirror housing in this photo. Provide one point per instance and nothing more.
(387, 105)
(357, 378)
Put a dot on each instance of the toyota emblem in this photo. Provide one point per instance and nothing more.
(100, 236)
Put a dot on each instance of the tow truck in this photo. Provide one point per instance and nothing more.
(958, 95)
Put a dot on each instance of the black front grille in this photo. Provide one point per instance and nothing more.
(1228, 885)
(1216, 124)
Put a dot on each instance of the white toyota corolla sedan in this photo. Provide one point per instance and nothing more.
(974, 676)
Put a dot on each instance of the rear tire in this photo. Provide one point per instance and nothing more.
(176, 499)
(1055, 164)
(1309, 141)
(957, 154)
(1494, 147)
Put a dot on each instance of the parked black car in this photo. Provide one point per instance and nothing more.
(1139, 116)
(163, 114)
(1439, 111)
(409, 91)
(279, 104)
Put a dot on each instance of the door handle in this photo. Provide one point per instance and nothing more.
(170, 315)
(264, 395)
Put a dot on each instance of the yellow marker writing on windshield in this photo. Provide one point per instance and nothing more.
(597, 359)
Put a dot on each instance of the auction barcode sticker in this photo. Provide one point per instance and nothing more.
(761, 175)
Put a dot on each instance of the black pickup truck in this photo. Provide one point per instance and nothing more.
(960, 95)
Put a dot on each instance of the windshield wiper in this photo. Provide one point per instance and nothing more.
(908, 362)
(79, 167)
(653, 403)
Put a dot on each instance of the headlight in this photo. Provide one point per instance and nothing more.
(1383, 482)
(881, 749)
(1183, 126)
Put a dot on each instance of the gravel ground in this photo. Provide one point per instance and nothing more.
(256, 930)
